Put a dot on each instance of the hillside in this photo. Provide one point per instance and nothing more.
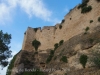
(69, 48)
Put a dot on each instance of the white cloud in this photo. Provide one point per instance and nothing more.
(4, 13)
(35, 8)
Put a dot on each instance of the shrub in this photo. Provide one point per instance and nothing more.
(83, 60)
(87, 28)
(91, 21)
(64, 59)
(86, 9)
(61, 42)
(98, 19)
(63, 21)
(35, 29)
(50, 56)
(56, 46)
(83, 4)
(60, 26)
(36, 44)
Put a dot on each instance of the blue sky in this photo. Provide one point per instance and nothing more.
(17, 15)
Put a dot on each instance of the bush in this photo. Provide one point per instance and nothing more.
(86, 9)
(91, 21)
(63, 21)
(56, 46)
(60, 26)
(87, 28)
(83, 4)
(50, 56)
(36, 44)
(83, 60)
(61, 42)
(98, 19)
(64, 59)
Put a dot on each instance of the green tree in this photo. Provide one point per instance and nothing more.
(36, 44)
(83, 60)
(5, 53)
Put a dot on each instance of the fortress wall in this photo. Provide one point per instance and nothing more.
(29, 37)
(46, 37)
(75, 23)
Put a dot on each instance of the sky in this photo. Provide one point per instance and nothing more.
(17, 15)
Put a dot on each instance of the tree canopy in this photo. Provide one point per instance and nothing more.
(5, 53)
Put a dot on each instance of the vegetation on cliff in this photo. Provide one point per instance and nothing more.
(11, 66)
(53, 51)
(36, 44)
(83, 60)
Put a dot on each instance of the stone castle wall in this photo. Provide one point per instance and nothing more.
(75, 23)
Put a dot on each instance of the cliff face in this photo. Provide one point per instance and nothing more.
(81, 35)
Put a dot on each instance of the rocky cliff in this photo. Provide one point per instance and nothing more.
(71, 47)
